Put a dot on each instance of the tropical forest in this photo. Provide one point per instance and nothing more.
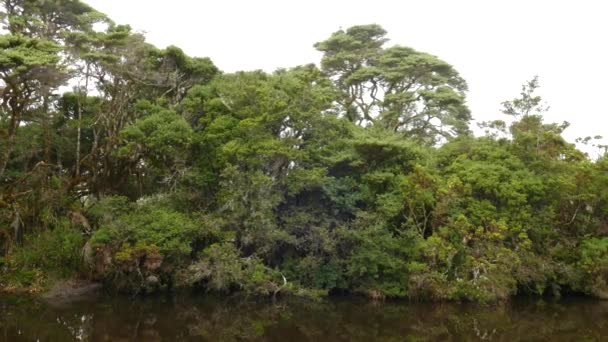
(150, 171)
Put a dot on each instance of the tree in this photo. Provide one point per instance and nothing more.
(49, 20)
(29, 69)
(533, 138)
(52, 21)
(397, 88)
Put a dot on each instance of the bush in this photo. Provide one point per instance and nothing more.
(221, 268)
(54, 253)
(379, 265)
(593, 267)
(58, 251)
(148, 242)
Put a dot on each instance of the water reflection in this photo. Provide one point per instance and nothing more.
(200, 318)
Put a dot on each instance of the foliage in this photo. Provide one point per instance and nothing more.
(361, 176)
(397, 88)
(221, 268)
(53, 253)
(147, 240)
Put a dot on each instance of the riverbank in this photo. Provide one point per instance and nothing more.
(73, 290)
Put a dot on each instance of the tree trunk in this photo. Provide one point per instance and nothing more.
(46, 125)
(10, 143)
(79, 129)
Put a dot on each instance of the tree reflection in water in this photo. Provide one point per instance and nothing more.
(196, 318)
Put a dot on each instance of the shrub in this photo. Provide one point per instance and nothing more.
(221, 268)
(150, 241)
(593, 267)
(54, 253)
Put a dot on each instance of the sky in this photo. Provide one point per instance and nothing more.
(495, 45)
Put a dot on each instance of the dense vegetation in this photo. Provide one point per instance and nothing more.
(148, 169)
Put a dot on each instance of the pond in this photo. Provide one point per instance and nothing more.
(207, 318)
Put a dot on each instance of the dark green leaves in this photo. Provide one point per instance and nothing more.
(397, 88)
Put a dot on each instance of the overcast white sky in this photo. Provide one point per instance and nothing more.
(495, 45)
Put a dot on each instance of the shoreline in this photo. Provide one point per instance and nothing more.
(72, 290)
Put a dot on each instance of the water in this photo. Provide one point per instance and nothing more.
(205, 318)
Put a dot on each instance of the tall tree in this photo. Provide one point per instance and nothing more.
(52, 21)
(29, 68)
(397, 88)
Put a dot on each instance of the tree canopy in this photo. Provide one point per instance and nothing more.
(148, 169)
(397, 88)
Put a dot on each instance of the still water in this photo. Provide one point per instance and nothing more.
(204, 318)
